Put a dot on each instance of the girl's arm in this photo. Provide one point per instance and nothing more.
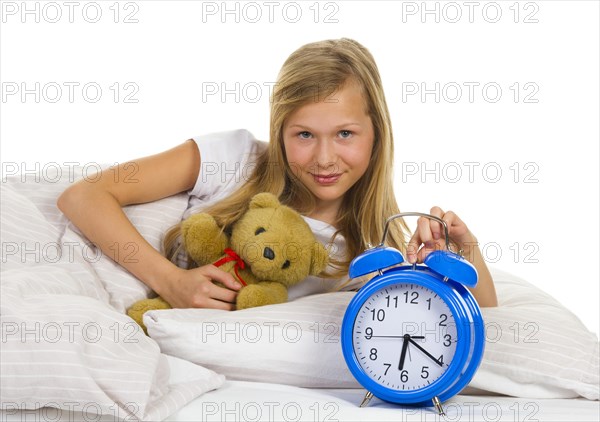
(484, 292)
(430, 234)
(95, 207)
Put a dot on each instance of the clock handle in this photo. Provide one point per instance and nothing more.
(419, 214)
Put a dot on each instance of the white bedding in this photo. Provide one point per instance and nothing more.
(66, 341)
(67, 344)
(253, 401)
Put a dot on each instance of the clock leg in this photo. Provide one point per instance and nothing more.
(438, 406)
(367, 399)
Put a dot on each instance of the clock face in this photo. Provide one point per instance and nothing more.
(404, 336)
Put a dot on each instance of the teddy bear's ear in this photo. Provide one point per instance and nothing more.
(264, 200)
(320, 258)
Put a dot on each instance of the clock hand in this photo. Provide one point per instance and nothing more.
(417, 337)
(425, 351)
(403, 353)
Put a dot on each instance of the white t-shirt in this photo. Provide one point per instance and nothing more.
(227, 160)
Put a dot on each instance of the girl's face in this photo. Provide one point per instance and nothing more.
(328, 145)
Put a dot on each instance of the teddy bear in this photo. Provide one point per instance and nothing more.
(269, 249)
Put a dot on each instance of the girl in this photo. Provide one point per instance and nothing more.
(329, 157)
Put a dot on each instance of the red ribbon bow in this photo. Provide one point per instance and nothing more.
(232, 256)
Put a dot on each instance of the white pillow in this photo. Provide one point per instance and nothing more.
(298, 343)
(535, 346)
(295, 343)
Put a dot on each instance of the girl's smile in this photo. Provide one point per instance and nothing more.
(327, 179)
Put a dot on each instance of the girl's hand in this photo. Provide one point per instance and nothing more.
(430, 234)
(194, 288)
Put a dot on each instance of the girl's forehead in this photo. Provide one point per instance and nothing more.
(346, 105)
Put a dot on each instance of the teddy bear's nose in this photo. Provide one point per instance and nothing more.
(269, 254)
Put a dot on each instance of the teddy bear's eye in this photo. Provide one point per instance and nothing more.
(285, 265)
(259, 231)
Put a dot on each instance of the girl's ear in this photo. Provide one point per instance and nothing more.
(264, 200)
(320, 258)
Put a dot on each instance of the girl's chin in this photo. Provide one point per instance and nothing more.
(327, 197)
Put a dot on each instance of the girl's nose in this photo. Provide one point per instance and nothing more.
(325, 156)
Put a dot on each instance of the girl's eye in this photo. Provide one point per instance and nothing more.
(304, 135)
(345, 134)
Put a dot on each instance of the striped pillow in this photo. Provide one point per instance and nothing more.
(535, 347)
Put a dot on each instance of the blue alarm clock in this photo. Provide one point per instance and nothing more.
(413, 334)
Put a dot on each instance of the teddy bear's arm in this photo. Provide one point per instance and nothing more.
(139, 308)
(262, 293)
(203, 239)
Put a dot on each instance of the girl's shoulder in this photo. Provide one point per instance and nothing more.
(226, 161)
(231, 143)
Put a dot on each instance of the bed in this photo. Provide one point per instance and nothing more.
(252, 401)
(69, 352)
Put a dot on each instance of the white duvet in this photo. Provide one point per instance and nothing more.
(66, 342)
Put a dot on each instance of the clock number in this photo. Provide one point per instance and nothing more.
(404, 376)
(414, 296)
(441, 359)
(428, 304)
(380, 315)
(388, 367)
(368, 333)
(448, 340)
(373, 355)
(443, 319)
(395, 299)
(424, 372)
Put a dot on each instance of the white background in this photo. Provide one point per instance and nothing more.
(538, 218)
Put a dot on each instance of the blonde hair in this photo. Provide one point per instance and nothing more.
(313, 73)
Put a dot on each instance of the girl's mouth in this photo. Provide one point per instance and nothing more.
(326, 179)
